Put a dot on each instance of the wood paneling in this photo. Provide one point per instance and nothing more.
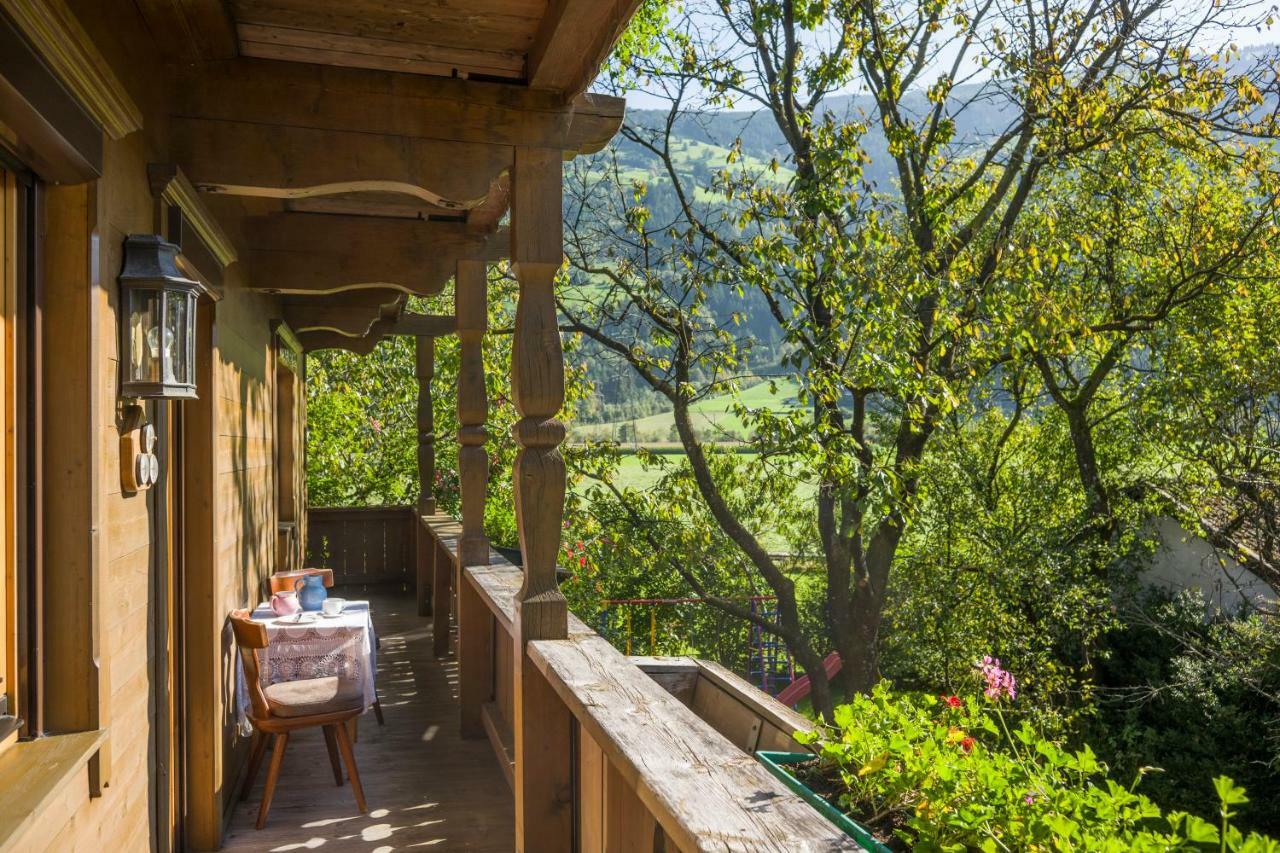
(363, 546)
(449, 38)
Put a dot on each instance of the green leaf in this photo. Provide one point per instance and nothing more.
(1229, 792)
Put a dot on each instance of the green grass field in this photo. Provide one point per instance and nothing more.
(713, 418)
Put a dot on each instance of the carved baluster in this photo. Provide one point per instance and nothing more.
(424, 370)
(544, 782)
(425, 351)
(470, 307)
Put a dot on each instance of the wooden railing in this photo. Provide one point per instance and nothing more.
(364, 546)
(634, 766)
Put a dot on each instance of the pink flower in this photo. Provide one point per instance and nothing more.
(1000, 682)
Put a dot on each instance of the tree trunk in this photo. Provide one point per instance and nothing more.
(1097, 500)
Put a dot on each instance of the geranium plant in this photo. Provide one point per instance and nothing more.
(949, 773)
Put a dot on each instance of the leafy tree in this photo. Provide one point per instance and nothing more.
(888, 243)
(1127, 245)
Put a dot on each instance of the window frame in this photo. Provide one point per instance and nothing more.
(21, 623)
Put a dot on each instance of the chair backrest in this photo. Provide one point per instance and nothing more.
(285, 581)
(251, 636)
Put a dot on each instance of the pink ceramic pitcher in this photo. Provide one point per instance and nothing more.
(285, 603)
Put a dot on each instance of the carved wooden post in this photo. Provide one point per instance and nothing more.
(425, 369)
(542, 726)
(470, 301)
(475, 622)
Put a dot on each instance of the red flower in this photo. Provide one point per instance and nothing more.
(953, 701)
(967, 745)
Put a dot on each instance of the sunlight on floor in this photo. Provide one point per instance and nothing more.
(415, 762)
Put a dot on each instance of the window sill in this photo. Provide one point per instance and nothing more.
(32, 773)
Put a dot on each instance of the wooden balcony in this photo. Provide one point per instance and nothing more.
(426, 786)
(653, 754)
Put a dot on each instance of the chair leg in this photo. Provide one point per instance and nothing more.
(377, 710)
(273, 775)
(256, 752)
(349, 756)
(331, 741)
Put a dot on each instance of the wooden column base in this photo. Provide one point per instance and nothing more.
(473, 551)
(475, 658)
(441, 596)
(543, 732)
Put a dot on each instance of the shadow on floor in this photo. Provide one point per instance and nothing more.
(426, 787)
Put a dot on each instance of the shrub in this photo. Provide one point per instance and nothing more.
(950, 773)
(1193, 697)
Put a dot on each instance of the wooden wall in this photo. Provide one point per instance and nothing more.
(243, 491)
(364, 546)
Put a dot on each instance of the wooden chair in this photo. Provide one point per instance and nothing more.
(330, 703)
(285, 581)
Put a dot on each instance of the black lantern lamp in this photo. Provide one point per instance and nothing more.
(158, 304)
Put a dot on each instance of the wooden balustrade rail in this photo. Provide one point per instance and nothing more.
(647, 772)
(364, 546)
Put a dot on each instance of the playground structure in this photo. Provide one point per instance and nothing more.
(769, 663)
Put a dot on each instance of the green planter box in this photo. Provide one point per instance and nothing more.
(777, 763)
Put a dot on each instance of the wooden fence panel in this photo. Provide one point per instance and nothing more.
(364, 546)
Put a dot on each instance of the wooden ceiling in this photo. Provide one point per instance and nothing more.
(357, 150)
(485, 39)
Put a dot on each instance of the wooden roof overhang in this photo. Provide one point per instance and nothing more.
(357, 151)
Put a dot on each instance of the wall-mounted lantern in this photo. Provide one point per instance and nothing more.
(158, 310)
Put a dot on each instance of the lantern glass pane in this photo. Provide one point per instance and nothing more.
(144, 335)
(191, 339)
(175, 336)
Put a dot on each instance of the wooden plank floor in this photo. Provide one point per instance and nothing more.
(426, 787)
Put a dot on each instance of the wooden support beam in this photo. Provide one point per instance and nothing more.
(425, 325)
(350, 313)
(402, 107)
(574, 40)
(424, 370)
(312, 341)
(486, 215)
(303, 253)
(471, 310)
(415, 325)
(542, 724)
(296, 44)
(283, 161)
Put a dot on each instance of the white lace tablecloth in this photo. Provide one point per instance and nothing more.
(344, 645)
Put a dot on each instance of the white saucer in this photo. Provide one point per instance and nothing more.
(331, 615)
(297, 619)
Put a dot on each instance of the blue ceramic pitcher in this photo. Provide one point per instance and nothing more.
(311, 591)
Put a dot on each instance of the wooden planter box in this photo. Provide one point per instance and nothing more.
(753, 720)
(777, 763)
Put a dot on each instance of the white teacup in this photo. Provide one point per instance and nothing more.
(333, 606)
